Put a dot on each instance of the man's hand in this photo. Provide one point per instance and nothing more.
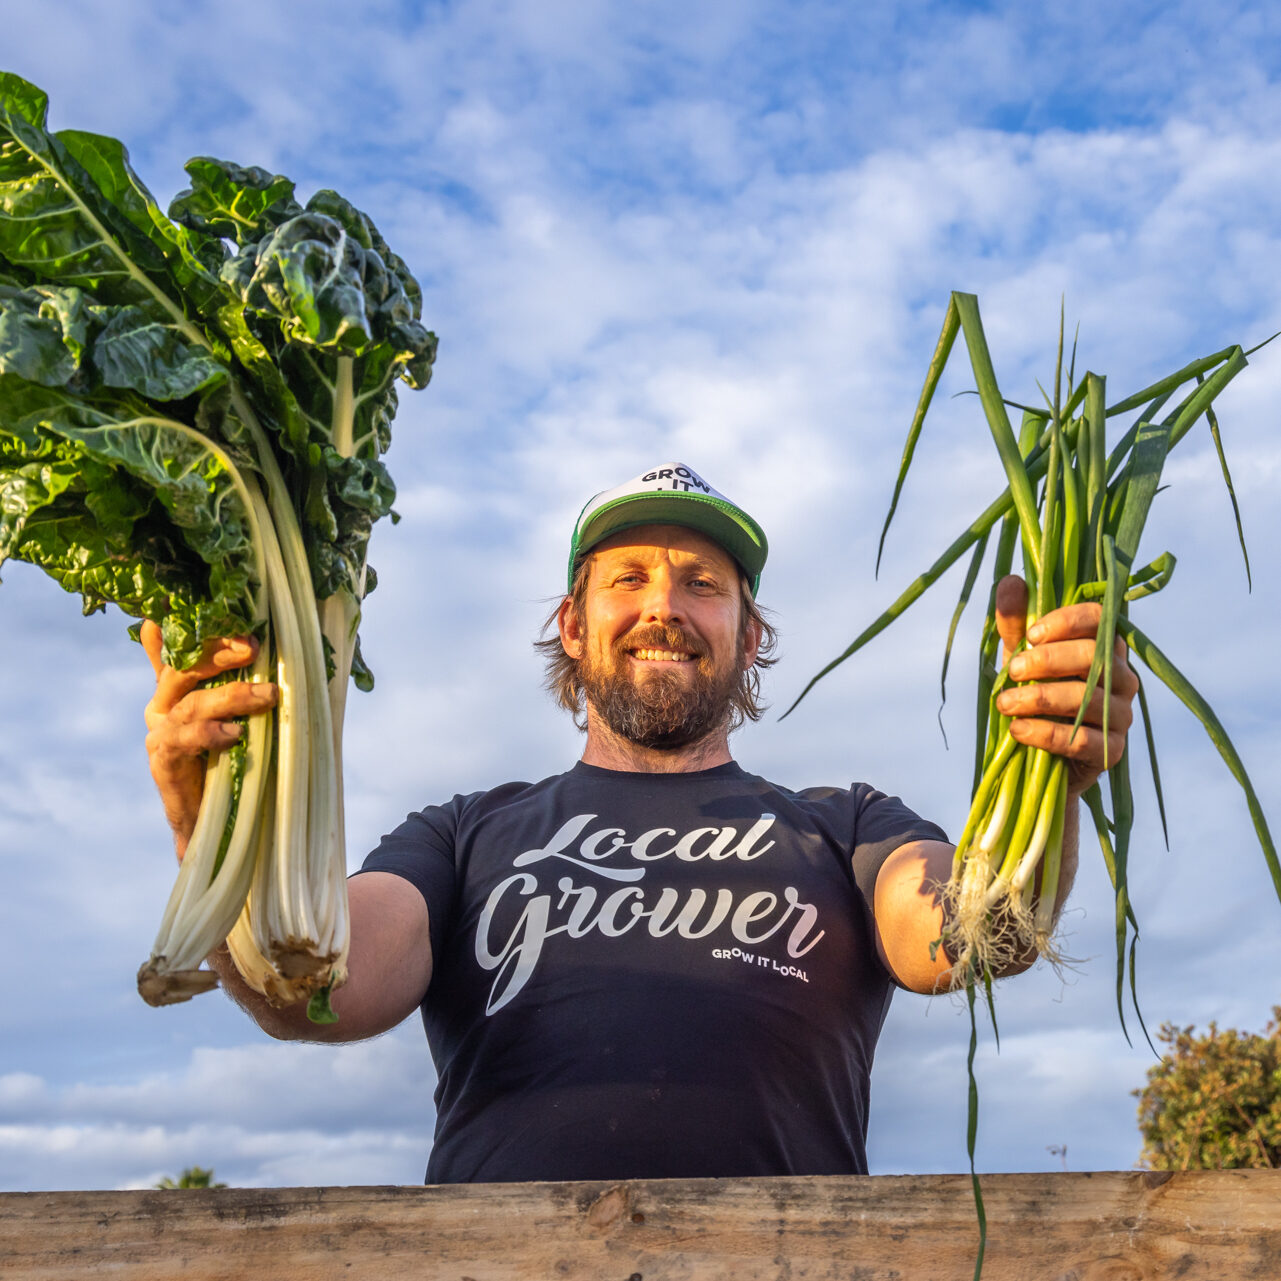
(1060, 650)
(185, 723)
(907, 905)
(390, 962)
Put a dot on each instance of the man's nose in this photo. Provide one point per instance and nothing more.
(662, 601)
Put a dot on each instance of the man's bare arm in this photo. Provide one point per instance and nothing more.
(388, 968)
(908, 909)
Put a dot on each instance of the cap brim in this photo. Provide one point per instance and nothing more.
(721, 521)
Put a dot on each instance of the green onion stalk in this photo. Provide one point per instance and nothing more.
(998, 910)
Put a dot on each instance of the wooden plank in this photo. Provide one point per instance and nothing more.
(1132, 1226)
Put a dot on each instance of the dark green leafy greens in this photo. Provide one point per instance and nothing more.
(193, 409)
(119, 325)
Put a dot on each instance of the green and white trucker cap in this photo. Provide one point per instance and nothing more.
(671, 494)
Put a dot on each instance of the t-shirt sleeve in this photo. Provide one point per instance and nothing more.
(421, 850)
(881, 824)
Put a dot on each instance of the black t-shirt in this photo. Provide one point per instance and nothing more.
(651, 975)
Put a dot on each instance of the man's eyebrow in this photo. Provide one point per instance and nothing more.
(708, 568)
(625, 562)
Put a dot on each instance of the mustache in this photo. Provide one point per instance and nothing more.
(660, 636)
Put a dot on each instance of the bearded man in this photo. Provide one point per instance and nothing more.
(655, 964)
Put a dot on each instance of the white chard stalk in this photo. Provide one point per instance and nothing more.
(282, 880)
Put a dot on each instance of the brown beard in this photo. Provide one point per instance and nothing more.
(661, 710)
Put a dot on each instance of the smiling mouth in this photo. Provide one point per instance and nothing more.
(661, 656)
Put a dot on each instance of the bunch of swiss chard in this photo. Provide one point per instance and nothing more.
(193, 409)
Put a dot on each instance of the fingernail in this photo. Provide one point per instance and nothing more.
(265, 693)
(1003, 701)
(1035, 632)
(231, 729)
(1017, 664)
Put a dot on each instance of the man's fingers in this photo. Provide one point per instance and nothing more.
(1062, 699)
(171, 688)
(1051, 662)
(1054, 661)
(152, 644)
(1068, 658)
(1060, 651)
(1068, 622)
(222, 702)
(219, 657)
(1085, 746)
(184, 722)
(223, 654)
(218, 703)
(169, 744)
(1011, 612)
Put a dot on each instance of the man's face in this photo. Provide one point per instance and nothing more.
(659, 646)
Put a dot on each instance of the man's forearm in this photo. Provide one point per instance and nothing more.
(1069, 859)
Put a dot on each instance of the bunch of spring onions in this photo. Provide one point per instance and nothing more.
(1076, 509)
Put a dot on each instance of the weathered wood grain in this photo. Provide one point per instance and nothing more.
(1198, 1226)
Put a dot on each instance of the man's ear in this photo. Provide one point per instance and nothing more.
(570, 626)
(751, 644)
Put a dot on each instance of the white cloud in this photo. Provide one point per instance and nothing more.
(259, 1115)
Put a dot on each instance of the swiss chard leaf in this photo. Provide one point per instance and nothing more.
(43, 333)
(153, 505)
(231, 202)
(191, 262)
(55, 224)
(141, 349)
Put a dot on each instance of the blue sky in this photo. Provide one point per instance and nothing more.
(722, 233)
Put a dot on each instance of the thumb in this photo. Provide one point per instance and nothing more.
(152, 643)
(1011, 612)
